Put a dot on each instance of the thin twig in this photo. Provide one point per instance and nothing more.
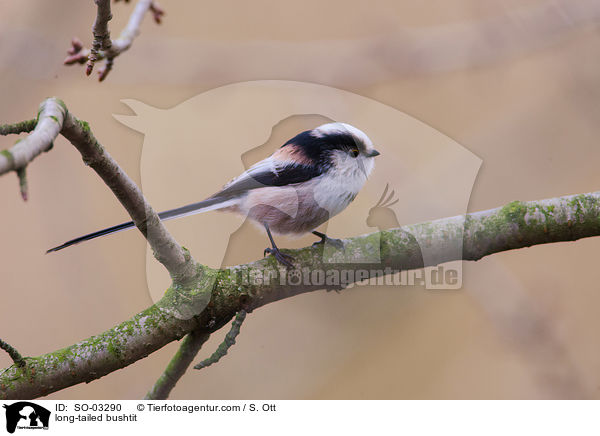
(16, 128)
(13, 353)
(105, 48)
(188, 350)
(50, 119)
(180, 362)
(22, 175)
(101, 33)
(229, 341)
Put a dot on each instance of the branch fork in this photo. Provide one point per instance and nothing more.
(103, 48)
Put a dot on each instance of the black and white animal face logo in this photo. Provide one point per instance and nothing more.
(26, 415)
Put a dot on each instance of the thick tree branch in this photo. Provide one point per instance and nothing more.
(180, 362)
(105, 48)
(516, 225)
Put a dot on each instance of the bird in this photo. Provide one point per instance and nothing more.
(312, 177)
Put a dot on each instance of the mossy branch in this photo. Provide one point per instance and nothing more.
(190, 345)
(229, 341)
(16, 128)
(185, 307)
(516, 225)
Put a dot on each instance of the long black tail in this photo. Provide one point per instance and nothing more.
(191, 209)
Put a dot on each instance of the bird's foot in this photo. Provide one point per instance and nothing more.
(337, 243)
(283, 258)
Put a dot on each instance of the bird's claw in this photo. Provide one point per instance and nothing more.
(283, 258)
(337, 243)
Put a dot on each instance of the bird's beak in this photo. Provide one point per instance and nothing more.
(373, 153)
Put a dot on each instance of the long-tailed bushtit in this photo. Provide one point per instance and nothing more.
(312, 177)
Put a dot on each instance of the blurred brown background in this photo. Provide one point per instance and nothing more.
(515, 82)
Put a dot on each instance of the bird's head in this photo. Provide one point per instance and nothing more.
(335, 146)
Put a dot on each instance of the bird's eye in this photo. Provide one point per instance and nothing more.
(354, 152)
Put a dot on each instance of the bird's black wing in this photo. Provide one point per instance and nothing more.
(269, 173)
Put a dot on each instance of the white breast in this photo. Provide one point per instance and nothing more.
(335, 190)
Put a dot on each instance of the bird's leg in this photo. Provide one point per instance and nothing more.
(281, 257)
(326, 239)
